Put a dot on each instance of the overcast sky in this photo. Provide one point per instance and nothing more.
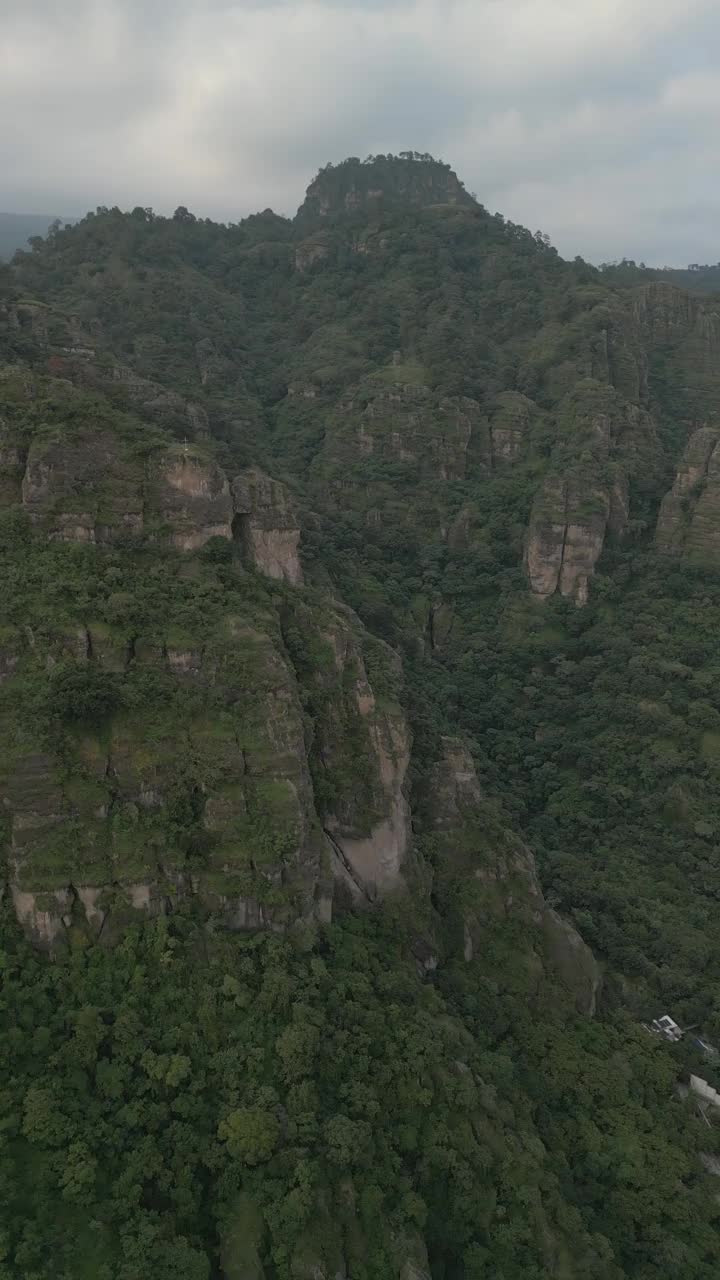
(597, 121)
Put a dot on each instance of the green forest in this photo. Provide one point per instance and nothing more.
(361, 747)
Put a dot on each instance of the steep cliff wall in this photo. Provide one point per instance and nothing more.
(157, 747)
(689, 519)
(359, 750)
(585, 495)
(173, 763)
(485, 876)
(266, 523)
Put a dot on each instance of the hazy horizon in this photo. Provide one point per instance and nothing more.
(594, 123)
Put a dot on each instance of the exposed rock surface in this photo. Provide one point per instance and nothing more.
(311, 251)
(191, 495)
(354, 186)
(487, 875)
(91, 487)
(407, 423)
(689, 519)
(265, 521)
(82, 490)
(566, 537)
(585, 495)
(686, 329)
(254, 806)
(511, 418)
(93, 839)
(366, 741)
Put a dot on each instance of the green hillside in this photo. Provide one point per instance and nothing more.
(17, 228)
(361, 768)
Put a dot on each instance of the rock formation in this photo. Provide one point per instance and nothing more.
(511, 418)
(379, 183)
(190, 496)
(265, 522)
(94, 838)
(361, 753)
(584, 497)
(311, 251)
(91, 487)
(408, 424)
(486, 875)
(689, 519)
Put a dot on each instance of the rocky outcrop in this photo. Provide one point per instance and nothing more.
(154, 401)
(360, 751)
(248, 802)
(381, 182)
(13, 460)
(190, 497)
(428, 440)
(266, 523)
(82, 489)
(511, 417)
(90, 489)
(689, 519)
(89, 486)
(566, 536)
(311, 251)
(370, 832)
(485, 875)
(585, 496)
(572, 960)
(666, 315)
(414, 1262)
(79, 355)
(683, 330)
(215, 790)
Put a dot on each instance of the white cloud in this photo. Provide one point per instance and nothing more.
(591, 118)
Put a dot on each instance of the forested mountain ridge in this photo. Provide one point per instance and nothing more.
(16, 229)
(361, 561)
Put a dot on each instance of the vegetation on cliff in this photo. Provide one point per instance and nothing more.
(357, 676)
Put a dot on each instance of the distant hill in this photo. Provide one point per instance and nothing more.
(697, 277)
(360, 765)
(17, 228)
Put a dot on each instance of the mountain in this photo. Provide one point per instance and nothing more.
(697, 278)
(361, 587)
(17, 228)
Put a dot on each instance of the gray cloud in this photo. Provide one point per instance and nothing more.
(594, 120)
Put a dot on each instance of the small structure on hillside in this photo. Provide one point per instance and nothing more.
(668, 1028)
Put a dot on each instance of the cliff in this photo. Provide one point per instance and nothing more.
(165, 755)
(689, 519)
(487, 885)
(603, 441)
(293, 514)
(381, 182)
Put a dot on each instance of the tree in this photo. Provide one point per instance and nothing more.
(250, 1134)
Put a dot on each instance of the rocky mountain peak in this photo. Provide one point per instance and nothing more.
(354, 185)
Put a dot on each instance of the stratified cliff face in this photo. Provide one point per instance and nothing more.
(689, 519)
(359, 749)
(511, 419)
(164, 753)
(90, 485)
(431, 439)
(204, 785)
(585, 495)
(485, 876)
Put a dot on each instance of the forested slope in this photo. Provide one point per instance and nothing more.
(362, 746)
